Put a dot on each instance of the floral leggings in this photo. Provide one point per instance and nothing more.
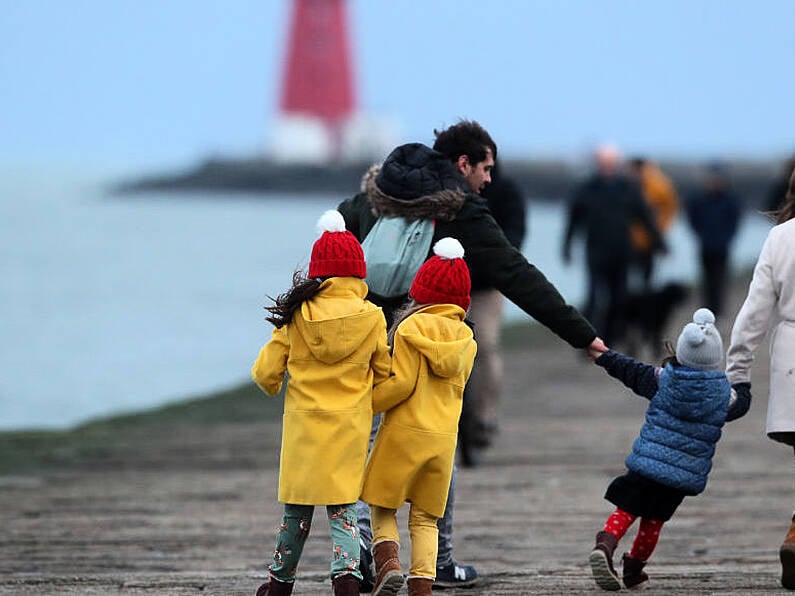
(294, 530)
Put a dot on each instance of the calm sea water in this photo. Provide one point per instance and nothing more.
(114, 304)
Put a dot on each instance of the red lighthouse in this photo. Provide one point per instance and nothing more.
(317, 95)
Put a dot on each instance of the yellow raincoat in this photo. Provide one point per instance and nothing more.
(334, 350)
(412, 455)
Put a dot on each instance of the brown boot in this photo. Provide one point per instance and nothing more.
(787, 555)
(420, 586)
(388, 577)
(601, 560)
(273, 587)
(633, 575)
(345, 585)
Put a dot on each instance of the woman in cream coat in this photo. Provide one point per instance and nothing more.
(770, 306)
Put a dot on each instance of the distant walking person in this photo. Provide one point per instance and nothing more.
(508, 206)
(413, 453)
(603, 208)
(769, 310)
(331, 345)
(671, 458)
(714, 214)
(662, 199)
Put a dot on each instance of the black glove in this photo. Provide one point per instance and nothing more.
(740, 406)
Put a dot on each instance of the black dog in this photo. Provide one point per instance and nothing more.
(647, 315)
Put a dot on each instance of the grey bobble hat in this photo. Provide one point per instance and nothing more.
(699, 345)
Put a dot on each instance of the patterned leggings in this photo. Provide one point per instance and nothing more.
(294, 530)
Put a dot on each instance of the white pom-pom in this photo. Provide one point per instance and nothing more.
(448, 248)
(704, 316)
(331, 221)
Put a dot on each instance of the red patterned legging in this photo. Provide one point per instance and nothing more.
(648, 534)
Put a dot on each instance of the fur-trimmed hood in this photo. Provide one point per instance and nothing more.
(415, 182)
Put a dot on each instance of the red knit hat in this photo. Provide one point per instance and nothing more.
(444, 278)
(337, 253)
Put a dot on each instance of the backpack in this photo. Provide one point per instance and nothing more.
(394, 249)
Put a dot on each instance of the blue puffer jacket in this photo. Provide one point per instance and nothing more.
(683, 421)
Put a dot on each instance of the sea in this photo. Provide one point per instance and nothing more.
(117, 303)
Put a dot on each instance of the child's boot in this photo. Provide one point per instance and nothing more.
(273, 587)
(420, 586)
(388, 577)
(345, 585)
(601, 560)
(633, 575)
(787, 555)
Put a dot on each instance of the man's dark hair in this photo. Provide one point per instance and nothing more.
(465, 138)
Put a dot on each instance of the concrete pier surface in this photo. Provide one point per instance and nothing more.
(193, 510)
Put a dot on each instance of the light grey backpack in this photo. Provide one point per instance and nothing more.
(394, 249)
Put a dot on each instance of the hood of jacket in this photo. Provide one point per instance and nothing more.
(415, 182)
(337, 319)
(436, 332)
(692, 392)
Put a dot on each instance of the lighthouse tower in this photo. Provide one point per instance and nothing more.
(318, 120)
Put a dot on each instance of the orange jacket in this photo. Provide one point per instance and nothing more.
(660, 194)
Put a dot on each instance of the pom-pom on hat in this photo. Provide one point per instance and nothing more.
(444, 278)
(337, 253)
(699, 345)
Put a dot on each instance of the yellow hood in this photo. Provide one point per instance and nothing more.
(326, 316)
(436, 332)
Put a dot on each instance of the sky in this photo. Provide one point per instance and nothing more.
(146, 83)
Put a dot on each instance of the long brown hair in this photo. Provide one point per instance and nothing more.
(787, 210)
(670, 355)
(284, 306)
(401, 314)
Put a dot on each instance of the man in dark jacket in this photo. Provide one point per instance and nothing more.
(419, 183)
(714, 214)
(603, 208)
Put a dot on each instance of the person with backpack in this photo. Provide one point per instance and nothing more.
(416, 182)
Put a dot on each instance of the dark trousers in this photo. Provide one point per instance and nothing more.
(714, 268)
(607, 292)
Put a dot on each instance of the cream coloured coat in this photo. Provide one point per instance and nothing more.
(412, 455)
(770, 306)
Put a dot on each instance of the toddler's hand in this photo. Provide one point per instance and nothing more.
(596, 348)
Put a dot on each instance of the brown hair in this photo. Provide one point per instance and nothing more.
(401, 314)
(670, 356)
(284, 306)
(787, 210)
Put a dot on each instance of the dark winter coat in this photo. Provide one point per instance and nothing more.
(714, 217)
(683, 422)
(603, 208)
(508, 206)
(418, 182)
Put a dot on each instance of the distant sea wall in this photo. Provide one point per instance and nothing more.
(540, 179)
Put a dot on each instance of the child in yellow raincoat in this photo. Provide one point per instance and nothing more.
(332, 342)
(412, 455)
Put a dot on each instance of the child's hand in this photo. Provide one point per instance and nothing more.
(740, 401)
(596, 348)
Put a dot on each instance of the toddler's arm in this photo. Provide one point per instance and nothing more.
(641, 378)
(271, 364)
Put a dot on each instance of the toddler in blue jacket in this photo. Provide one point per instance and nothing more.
(671, 458)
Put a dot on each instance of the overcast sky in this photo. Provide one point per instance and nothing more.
(147, 82)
